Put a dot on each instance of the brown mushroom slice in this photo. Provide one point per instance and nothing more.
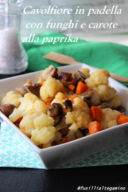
(68, 105)
(79, 76)
(64, 131)
(104, 105)
(84, 131)
(120, 109)
(50, 72)
(92, 97)
(35, 89)
(7, 109)
(65, 77)
(56, 111)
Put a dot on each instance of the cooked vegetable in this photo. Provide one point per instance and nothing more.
(94, 127)
(81, 87)
(122, 119)
(35, 89)
(96, 113)
(72, 98)
(64, 106)
(71, 87)
(7, 109)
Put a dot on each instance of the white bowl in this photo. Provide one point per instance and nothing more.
(79, 149)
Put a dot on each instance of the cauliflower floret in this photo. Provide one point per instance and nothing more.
(109, 118)
(79, 104)
(90, 83)
(27, 124)
(43, 120)
(11, 98)
(59, 98)
(106, 93)
(100, 76)
(74, 132)
(15, 115)
(80, 114)
(35, 121)
(116, 101)
(44, 74)
(29, 104)
(85, 71)
(40, 106)
(50, 87)
(43, 135)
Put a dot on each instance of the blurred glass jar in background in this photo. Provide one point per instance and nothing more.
(13, 58)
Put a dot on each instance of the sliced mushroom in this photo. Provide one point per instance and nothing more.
(7, 109)
(57, 119)
(120, 109)
(79, 76)
(92, 97)
(84, 131)
(50, 72)
(55, 110)
(64, 131)
(35, 89)
(104, 105)
(64, 76)
(68, 105)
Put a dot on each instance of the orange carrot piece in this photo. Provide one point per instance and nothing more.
(94, 127)
(18, 120)
(49, 101)
(122, 119)
(81, 87)
(96, 113)
(42, 82)
(71, 87)
(72, 98)
(66, 140)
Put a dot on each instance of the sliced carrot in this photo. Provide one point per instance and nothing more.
(122, 119)
(81, 87)
(66, 140)
(72, 98)
(18, 120)
(94, 127)
(42, 82)
(96, 113)
(49, 101)
(71, 87)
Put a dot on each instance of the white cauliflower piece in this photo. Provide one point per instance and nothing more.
(11, 98)
(29, 104)
(116, 101)
(100, 76)
(80, 114)
(27, 124)
(59, 98)
(85, 71)
(106, 93)
(109, 118)
(35, 121)
(43, 120)
(50, 88)
(43, 135)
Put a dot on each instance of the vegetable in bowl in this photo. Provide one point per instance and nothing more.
(64, 106)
